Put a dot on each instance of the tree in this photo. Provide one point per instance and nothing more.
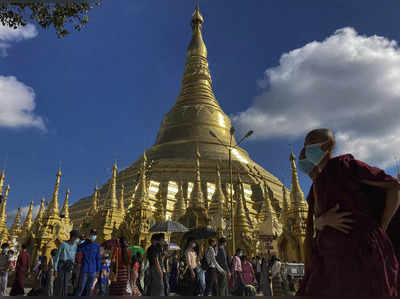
(16, 13)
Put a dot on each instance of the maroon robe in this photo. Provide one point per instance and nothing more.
(22, 265)
(362, 262)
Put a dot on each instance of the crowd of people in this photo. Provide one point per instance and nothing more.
(81, 267)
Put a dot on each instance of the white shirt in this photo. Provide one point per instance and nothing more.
(211, 260)
(276, 269)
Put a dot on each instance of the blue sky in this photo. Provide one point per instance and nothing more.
(101, 93)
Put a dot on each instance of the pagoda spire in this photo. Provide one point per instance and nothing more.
(217, 202)
(39, 216)
(121, 203)
(53, 208)
(113, 201)
(95, 197)
(2, 179)
(26, 226)
(296, 194)
(4, 205)
(141, 195)
(179, 206)
(65, 208)
(285, 208)
(16, 227)
(241, 222)
(197, 198)
(266, 211)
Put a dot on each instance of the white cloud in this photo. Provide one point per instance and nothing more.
(24, 211)
(17, 104)
(17, 100)
(348, 82)
(8, 35)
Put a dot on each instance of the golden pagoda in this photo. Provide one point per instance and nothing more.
(3, 216)
(185, 155)
(26, 226)
(109, 217)
(52, 230)
(293, 218)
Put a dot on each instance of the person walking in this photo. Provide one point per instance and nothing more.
(248, 272)
(135, 274)
(4, 268)
(257, 269)
(213, 267)
(91, 262)
(154, 284)
(238, 284)
(222, 260)
(265, 282)
(23, 266)
(277, 289)
(63, 265)
(174, 272)
(104, 278)
(120, 265)
(51, 274)
(192, 284)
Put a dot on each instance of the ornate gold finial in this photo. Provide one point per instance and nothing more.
(140, 197)
(197, 198)
(2, 179)
(113, 202)
(39, 216)
(121, 203)
(297, 202)
(216, 210)
(285, 207)
(4, 204)
(241, 222)
(53, 208)
(16, 227)
(179, 206)
(65, 208)
(197, 46)
(95, 199)
(26, 226)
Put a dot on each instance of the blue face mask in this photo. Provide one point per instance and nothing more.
(5, 250)
(314, 153)
(93, 238)
(305, 166)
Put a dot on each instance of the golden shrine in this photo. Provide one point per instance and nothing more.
(45, 232)
(185, 176)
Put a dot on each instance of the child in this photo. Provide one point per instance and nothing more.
(103, 280)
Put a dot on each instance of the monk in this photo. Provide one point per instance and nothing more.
(351, 204)
(23, 265)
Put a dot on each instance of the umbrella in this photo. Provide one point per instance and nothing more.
(200, 233)
(173, 247)
(110, 243)
(135, 249)
(168, 227)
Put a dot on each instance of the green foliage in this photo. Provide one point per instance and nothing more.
(47, 14)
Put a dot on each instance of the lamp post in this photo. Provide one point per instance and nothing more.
(232, 132)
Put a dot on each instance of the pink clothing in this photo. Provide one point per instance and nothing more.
(248, 273)
(237, 264)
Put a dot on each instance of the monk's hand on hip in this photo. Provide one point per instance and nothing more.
(336, 220)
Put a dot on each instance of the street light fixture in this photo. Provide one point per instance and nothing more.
(232, 132)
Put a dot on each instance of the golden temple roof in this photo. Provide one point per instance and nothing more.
(179, 206)
(16, 226)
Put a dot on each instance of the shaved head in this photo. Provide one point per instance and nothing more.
(319, 136)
